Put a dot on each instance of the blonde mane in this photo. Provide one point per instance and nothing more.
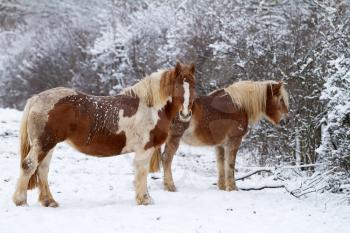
(149, 90)
(251, 96)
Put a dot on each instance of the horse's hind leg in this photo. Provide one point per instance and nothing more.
(141, 163)
(220, 159)
(45, 196)
(27, 169)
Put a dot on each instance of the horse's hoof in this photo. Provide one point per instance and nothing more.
(49, 203)
(231, 188)
(144, 200)
(221, 186)
(19, 201)
(170, 188)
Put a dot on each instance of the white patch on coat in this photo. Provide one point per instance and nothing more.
(137, 128)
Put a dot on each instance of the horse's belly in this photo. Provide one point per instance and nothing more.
(190, 140)
(205, 135)
(100, 145)
(190, 137)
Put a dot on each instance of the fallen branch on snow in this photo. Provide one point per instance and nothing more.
(263, 187)
(281, 167)
(271, 187)
(253, 173)
(316, 183)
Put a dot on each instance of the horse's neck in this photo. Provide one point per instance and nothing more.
(254, 107)
(162, 103)
(170, 110)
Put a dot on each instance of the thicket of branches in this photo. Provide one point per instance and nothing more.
(101, 46)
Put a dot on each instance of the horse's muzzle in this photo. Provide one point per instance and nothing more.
(284, 121)
(185, 117)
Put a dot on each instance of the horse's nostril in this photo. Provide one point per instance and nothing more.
(189, 114)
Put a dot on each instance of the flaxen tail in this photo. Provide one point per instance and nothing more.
(25, 145)
(154, 165)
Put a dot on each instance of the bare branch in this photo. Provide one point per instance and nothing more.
(263, 187)
(253, 173)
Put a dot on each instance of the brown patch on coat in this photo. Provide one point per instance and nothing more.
(159, 133)
(89, 123)
(216, 118)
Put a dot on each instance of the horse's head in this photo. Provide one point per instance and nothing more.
(183, 91)
(277, 104)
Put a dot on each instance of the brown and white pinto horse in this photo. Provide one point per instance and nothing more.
(221, 119)
(137, 120)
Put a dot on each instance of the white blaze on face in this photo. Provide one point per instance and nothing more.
(186, 103)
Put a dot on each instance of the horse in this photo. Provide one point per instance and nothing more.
(221, 119)
(136, 120)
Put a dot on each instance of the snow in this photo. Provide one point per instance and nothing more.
(97, 195)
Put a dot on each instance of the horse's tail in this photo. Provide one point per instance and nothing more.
(25, 145)
(154, 165)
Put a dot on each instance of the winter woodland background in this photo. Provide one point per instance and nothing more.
(100, 46)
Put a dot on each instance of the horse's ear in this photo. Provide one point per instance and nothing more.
(177, 68)
(276, 87)
(192, 68)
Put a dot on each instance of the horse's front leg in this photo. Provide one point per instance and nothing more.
(170, 149)
(220, 161)
(141, 162)
(230, 162)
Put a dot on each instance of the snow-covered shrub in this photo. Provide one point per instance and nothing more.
(335, 149)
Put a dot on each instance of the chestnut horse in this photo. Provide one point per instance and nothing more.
(221, 119)
(137, 120)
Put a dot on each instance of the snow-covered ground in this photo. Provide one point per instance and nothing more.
(97, 195)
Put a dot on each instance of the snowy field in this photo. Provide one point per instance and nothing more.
(97, 195)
